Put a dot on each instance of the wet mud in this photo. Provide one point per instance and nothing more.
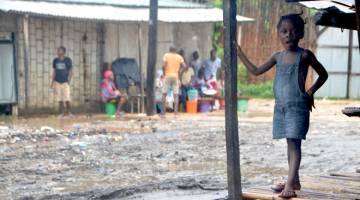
(182, 157)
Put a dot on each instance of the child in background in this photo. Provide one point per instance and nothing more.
(186, 78)
(110, 93)
(293, 102)
(195, 62)
(212, 84)
(159, 84)
(199, 82)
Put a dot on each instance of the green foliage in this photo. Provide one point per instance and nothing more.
(312, 12)
(217, 39)
(243, 75)
(217, 3)
(262, 90)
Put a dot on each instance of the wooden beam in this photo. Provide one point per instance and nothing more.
(350, 52)
(250, 195)
(26, 58)
(231, 118)
(100, 29)
(357, 8)
(141, 70)
(151, 62)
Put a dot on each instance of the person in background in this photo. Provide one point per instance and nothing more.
(211, 66)
(110, 93)
(159, 84)
(186, 78)
(181, 52)
(195, 62)
(61, 78)
(172, 64)
(199, 82)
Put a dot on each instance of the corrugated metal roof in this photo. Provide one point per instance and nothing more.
(343, 5)
(111, 13)
(133, 3)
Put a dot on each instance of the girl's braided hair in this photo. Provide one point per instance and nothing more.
(296, 20)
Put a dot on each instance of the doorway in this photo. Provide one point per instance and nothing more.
(8, 94)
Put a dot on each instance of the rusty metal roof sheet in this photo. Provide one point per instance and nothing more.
(113, 13)
(133, 3)
(344, 6)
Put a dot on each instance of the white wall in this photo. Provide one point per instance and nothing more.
(121, 40)
(332, 52)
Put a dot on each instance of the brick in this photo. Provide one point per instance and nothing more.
(58, 41)
(39, 33)
(39, 58)
(39, 45)
(33, 53)
(70, 45)
(52, 47)
(32, 67)
(46, 43)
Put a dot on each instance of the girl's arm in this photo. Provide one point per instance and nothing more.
(320, 70)
(252, 68)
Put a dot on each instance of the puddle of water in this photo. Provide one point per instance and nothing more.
(52, 121)
(182, 195)
(152, 137)
(202, 166)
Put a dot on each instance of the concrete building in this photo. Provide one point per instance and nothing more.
(93, 32)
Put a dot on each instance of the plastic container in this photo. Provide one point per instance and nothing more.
(204, 106)
(242, 105)
(192, 95)
(191, 106)
(110, 109)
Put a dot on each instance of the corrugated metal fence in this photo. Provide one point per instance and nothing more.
(333, 53)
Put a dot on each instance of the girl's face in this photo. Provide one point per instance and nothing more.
(288, 35)
(112, 77)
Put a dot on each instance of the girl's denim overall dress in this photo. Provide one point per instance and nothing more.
(291, 113)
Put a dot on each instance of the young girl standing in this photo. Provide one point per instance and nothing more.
(292, 101)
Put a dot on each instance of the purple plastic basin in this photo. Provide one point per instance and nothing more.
(204, 106)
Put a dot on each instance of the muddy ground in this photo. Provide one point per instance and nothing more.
(180, 157)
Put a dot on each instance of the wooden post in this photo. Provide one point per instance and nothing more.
(100, 28)
(357, 6)
(231, 118)
(141, 70)
(26, 58)
(350, 48)
(151, 62)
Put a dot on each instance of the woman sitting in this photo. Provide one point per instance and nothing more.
(109, 92)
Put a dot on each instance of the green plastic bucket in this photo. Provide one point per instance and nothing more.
(110, 109)
(242, 105)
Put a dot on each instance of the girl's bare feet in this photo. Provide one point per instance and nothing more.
(287, 194)
(278, 187)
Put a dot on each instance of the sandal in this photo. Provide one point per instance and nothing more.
(288, 194)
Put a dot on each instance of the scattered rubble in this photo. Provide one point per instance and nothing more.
(112, 159)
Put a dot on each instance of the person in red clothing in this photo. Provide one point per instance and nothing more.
(110, 93)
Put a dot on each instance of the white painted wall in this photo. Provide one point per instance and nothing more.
(332, 52)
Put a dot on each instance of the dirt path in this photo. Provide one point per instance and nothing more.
(96, 158)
